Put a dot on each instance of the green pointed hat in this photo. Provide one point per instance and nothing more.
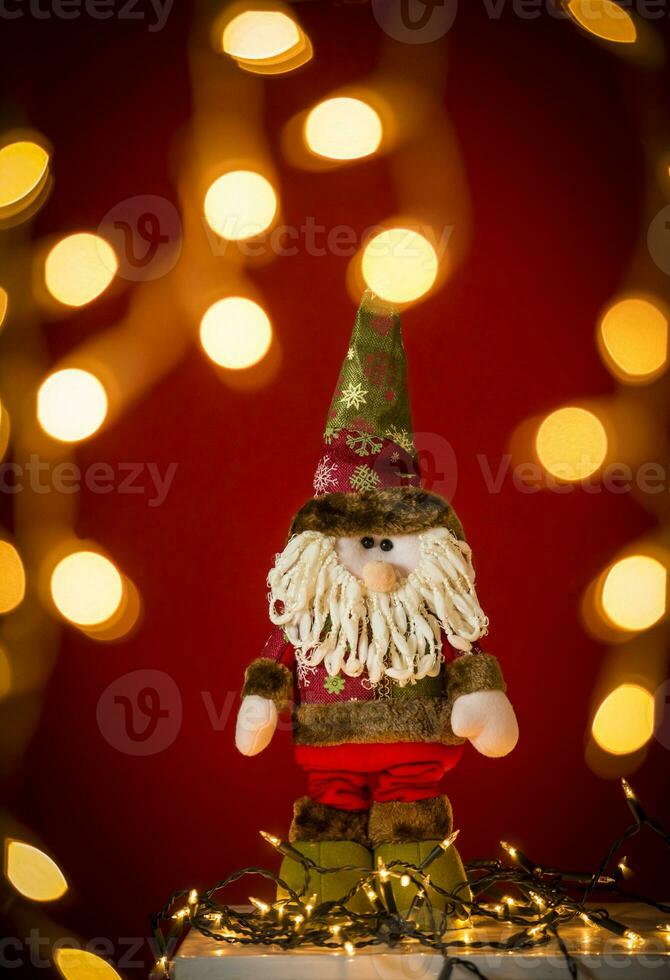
(368, 476)
(371, 393)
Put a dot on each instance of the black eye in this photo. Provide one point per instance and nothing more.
(385, 544)
(368, 542)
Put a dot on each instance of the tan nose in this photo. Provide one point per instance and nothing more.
(379, 576)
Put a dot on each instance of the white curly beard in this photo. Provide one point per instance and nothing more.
(330, 615)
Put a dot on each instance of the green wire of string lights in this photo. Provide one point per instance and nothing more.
(545, 899)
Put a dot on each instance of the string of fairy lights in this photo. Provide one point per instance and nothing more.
(536, 901)
(48, 576)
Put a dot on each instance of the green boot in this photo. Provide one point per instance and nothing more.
(331, 838)
(408, 832)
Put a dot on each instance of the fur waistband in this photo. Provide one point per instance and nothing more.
(395, 720)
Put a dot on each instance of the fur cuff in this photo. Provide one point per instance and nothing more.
(395, 823)
(314, 821)
(394, 510)
(473, 672)
(269, 679)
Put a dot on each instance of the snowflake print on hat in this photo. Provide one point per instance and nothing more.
(363, 444)
(364, 478)
(353, 395)
(324, 478)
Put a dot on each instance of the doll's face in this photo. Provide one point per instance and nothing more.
(379, 560)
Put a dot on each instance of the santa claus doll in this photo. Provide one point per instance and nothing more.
(377, 625)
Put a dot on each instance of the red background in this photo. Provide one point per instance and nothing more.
(554, 165)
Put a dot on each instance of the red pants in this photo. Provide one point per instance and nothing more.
(351, 777)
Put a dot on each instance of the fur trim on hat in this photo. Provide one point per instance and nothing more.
(394, 510)
(473, 672)
(268, 679)
(314, 821)
(395, 822)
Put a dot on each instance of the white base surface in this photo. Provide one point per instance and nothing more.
(598, 953)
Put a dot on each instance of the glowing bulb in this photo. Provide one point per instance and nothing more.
(33, 873)
(79, 964)
(262, 907)
(23, 168)
(399, 265)
(405, 880)
(350, 948)
(270, 838)
(192, 896)
(634, 594)
(633, 938)
(235, 332)
(343, 129)
(634, 335)
(12, 577)
(255, 35)
(512, 851)
(571, 443)
(628, 789)
(448, 841)
(335, 930)
(624, 722)
(604, 19)
(240, 205)
(79, 268)
(71, 404)
(87, 588)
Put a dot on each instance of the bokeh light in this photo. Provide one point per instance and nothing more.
(399, 264)
(79, 268)
(12, 577)
(240, 205)
(33, 873)
(23, 169)
(4, 303)
(624, 722)
(258, 35)
(86, 588)
(71, 404)
(80, 964)
(235, 332)
(571, 443)
(633, 335)
(634, 592)
(604, 19)
(343, 129)
(5, 674)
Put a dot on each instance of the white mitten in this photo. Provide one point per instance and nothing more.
(256, 723)
(487, 719)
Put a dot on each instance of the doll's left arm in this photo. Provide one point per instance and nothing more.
(481, 711)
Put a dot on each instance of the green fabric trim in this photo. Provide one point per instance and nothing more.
(473, 672)
(371, 393)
